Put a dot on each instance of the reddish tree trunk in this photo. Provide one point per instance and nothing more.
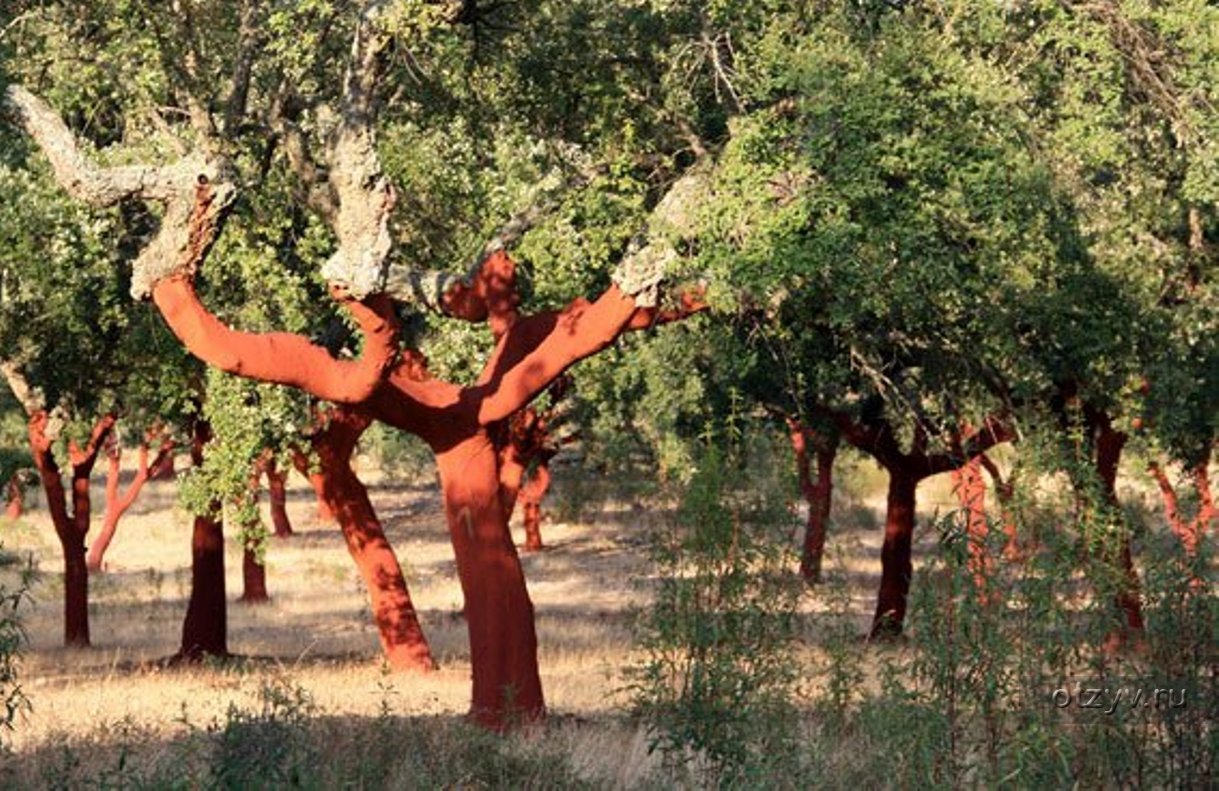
(15, 493)
(970, 489)
(499, 613)
(205, 628)
(70, 527)
(253, 578)
(164, 470)
(818, 494)
(277, 485)
(1003, 492)
(118, 504)
(324, 512)
(532, 494)
(897, 566)
(1188, 531)
(1109, 445)
(402, 638)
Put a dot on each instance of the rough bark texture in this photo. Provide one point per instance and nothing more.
(402, 638)
(351, 193)
(817, 493)
(205, 628)
(277, 486)
(118, 503)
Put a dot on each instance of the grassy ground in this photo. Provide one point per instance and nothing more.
(312, 654)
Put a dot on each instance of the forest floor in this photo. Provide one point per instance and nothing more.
(313, 649)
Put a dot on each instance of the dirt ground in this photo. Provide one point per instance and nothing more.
(317, 630)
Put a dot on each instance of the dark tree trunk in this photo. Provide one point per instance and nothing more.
(1109, 445)
(205, 629)
(895, 559)
(70, 528)
(499, 613)
(165, 470)
(253, 578)
(277, 486)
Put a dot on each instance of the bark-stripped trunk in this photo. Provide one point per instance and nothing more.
(532, 494)
(1188, 531)
(897, 567)
(117, 504)
(499, 613)
(277, 486)
(316, 480)
(253, 578)
(15, 495)
(205, 628)
(1004, 491)
(906, 468)
(163, 471)
(70, 527)
(970, 488)
(402, 638)
(817, 493)
(1109, 445)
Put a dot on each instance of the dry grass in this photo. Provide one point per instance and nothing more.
(317, 634)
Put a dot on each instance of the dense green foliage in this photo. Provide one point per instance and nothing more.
(912, 213)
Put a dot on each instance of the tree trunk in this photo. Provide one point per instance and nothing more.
(277, 485)
(1109, 445)
(253, 578)
(69, 528)
(499, 614)
(117, 505)
(1004, 491)
(324, 512)
(163, 471)
(896, 564)
(970, 489)
(531, 495)
(205, 629)
(818, 494)
(15, 493)
(402, 638)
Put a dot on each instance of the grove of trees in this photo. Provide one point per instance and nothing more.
(920, 230)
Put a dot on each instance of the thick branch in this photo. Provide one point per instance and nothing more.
(30, 398)
(281, 357)
(81, 177)
(555, 343)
